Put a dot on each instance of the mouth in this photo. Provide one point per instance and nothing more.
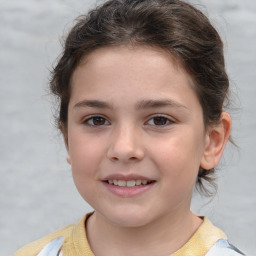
(129, 183)
(128, 187)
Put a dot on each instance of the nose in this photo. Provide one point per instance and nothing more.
(125, 145)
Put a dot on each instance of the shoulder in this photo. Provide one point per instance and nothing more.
(35, 247)
(208, 240)
(66, 241)
(223, 248)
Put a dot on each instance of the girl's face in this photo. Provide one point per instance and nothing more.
(134, 120)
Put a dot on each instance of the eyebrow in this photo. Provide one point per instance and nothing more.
(143, 104)
(93, 104)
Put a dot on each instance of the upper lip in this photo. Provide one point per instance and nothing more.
(126, 177)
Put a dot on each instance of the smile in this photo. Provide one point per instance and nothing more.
(128, 186)
(128, 183)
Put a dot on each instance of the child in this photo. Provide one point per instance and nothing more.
(142, 86)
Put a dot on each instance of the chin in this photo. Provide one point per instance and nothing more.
(128, 218)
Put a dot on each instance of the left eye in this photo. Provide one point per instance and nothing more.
(96, 121)
(159, 121)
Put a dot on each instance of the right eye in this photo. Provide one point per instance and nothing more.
(96, 121)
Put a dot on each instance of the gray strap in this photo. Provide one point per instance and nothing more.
(223, 248)
(53, 248)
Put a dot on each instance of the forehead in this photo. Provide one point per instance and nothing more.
(125, 77)
(129, 51)
(134, 62)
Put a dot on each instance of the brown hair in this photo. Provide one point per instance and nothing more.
(172, 25)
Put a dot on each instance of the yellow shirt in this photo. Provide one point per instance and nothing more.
(76, 243)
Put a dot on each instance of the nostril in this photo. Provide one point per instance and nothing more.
(125, 152)
(114, 158)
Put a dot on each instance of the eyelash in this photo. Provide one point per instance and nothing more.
(167, 121)
(94, 118)
(91, 121)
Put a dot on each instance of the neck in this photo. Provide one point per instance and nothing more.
(164, 236)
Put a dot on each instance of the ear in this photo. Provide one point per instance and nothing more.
(216, 138)
(64, 132)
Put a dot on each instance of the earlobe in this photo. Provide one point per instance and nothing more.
(65, 137)
(67, 148)
(68, 158)
(216, 139)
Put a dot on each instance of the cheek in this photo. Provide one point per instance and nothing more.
(85, 156)
(179, 158)
(85, 163)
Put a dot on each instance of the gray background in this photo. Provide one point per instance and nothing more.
(37, 195)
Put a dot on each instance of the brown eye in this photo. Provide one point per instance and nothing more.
(159, 121)
(96, 121)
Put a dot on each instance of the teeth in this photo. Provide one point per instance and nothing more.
(138, 182)
(121, 183)
(129, 183)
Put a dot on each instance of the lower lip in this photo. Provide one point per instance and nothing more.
(128, 191)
